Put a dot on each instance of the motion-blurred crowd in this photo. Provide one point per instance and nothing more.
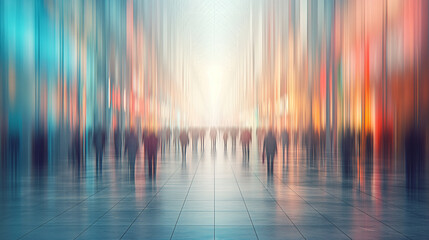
(350, 145)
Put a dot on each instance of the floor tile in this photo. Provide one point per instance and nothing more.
(196, 218)
(193, 232)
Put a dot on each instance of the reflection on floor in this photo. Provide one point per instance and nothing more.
(214, 195)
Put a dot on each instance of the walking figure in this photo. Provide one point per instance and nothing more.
(176, 139)
(213, 134)
(184, 141)
(269, 150)
(118, 142)
(225, 139)
(202, 136)
(131, 147)
(151, 148)
(245, 138)
(99, 142)
(234, 133)
(285, 142)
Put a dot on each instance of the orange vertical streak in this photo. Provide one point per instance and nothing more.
(367, 107)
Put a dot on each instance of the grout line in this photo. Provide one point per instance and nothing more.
(184, 201)
(244, 201)
(86, 229)
(276, 201)
(280, 206)
(282, 181)
(214, 199)
(389, 203)
(357, 208)
(68, 209)
(305, 202)
(153, 197)
(327, 219)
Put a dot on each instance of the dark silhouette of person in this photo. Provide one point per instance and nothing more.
(414, 158)
(315, 141)
(269, 150)
(40, 149)
(213, 135)
(285, 142)
(99, 141)
(145, 133)
(118, 142)
(184, 141)
(202, 137)
(322, 137)
(225, 139)
(151, 148)
(234, 134)
(246, 137)
(131, 147)
(347, 146)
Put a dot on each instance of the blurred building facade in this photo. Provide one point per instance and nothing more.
(323, 66)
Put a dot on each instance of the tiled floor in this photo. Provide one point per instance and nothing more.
(214, 196)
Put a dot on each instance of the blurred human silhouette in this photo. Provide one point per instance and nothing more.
(184, 141)
(176, 140)
(285, 142)
(246, 137)
(202, 137)
(118, 142)
(322, 136)
(131, 147)
(269, 150)
(347, 152)
(151, 148)
(234, 134)
(314, 144)
(225, 139)
(213, 135)
(145, 133)
(40, 149)
(414, 158)
(99, 141)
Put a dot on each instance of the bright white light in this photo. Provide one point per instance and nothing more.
(215, 79)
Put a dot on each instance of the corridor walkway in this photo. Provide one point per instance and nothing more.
(213, 195)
